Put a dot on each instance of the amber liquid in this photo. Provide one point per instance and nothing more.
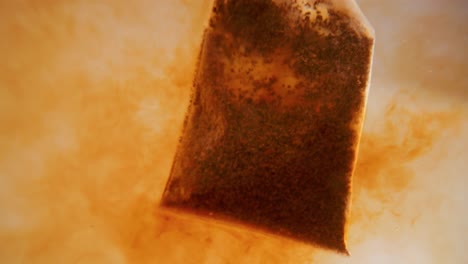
(271, 134)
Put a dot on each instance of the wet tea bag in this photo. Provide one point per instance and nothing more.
(270, 138)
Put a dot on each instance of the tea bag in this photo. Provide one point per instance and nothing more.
(271, 135)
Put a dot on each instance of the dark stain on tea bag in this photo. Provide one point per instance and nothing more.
(270, 137)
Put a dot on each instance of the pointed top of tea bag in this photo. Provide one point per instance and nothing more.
(352, 8)
(349, 7)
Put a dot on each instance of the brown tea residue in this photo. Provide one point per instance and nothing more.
(274, 149)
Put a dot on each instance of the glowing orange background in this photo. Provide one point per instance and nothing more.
(92, 98)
